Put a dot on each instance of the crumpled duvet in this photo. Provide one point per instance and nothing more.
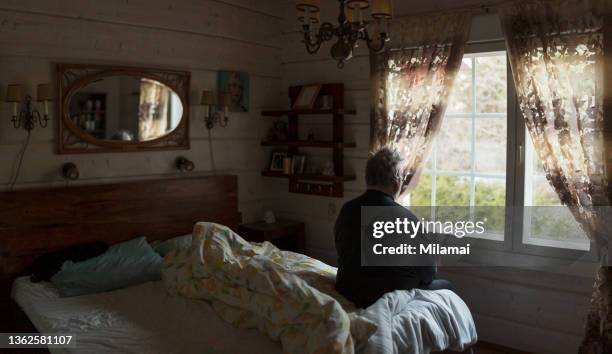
(258, 286)
(291, 298)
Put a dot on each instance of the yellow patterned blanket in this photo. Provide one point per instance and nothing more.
(288, 296)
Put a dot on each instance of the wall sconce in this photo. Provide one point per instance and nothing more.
(208, 100)
(70, 171)
(183, 164)
(29, 116)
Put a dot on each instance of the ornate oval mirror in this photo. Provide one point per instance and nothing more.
(107, 108)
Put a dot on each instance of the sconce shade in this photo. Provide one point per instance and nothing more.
(44, 92)
(225, 100)
(13, 93)
(382, 9)
(357, 4)
(208, 98)
(312, 5)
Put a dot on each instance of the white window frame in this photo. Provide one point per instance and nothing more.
(512, 250)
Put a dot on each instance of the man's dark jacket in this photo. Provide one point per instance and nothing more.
(364, 285)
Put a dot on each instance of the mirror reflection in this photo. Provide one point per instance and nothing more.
(126, 108)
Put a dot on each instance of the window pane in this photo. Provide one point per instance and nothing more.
(460, 100)
(543, 193)
(452, 191)
(421, 196)
(491, 84)
(491, 192)
(455, 145)
(491, 140)
(547, 222)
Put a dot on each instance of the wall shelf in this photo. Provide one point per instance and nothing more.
(308, 177)
(286, 112)
(308, 143)
(315, 184)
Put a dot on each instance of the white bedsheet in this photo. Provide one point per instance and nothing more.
(420, 321)
(144, 319)
(140, 319)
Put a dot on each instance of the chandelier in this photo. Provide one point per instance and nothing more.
(351, 27)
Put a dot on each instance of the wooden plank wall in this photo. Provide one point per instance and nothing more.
(199, 36)
(533, 311)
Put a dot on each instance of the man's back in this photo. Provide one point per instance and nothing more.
(364, 285)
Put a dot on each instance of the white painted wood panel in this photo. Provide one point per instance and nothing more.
(58, 38)
(199, 36)
(211, 18)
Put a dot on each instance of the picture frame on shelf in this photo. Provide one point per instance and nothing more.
(276, 163)
(307, 96)
(297, 164)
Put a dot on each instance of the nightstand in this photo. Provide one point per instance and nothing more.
(284, 234)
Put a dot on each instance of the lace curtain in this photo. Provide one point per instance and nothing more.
(557, 59)
(412, 81)
(152, 110)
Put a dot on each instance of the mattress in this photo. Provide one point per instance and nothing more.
(139, 319)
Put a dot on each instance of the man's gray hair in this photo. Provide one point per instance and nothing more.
(383, 169)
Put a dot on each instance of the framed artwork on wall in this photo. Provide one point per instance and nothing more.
(236, 85)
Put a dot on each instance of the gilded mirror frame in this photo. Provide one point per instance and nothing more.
(72, 140)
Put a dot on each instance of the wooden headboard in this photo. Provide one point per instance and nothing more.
(34, 222)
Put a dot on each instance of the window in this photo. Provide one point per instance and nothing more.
(467, 165)
(477, 161)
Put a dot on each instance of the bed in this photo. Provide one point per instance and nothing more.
(38, 221)
(110, 322)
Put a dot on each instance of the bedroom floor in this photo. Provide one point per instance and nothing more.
(488, 348)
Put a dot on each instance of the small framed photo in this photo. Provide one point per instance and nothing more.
(277, 161)
(307, 97)
(297, 164)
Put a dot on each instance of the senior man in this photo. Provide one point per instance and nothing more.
(363, 285)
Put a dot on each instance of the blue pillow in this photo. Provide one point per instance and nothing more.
(165, 247)
(124, 264)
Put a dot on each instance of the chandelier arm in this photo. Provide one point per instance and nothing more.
(380, 42)
(313, 43)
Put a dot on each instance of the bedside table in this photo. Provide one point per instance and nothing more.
(285, 234)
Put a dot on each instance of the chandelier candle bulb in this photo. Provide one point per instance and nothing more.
(44, 93)
(350, 14)
(225, 101)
